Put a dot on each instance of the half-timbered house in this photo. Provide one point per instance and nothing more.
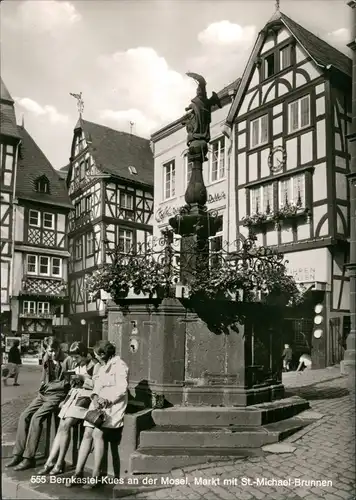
(110, 183)
(289, 121)
(9, 144)
(39, 301)
(172, 171)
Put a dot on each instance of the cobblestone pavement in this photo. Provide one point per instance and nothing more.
(15, 399)
(325, 450)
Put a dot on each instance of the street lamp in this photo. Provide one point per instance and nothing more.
(83, 322)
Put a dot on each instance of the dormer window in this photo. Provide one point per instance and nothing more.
(42, 184)
(132, 170)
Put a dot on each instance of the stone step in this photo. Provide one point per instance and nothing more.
(209, 416)
(214, 437)
(163, 461)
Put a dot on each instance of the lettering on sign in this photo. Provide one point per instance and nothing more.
(212, 198)
(302, 274)
(166, 212)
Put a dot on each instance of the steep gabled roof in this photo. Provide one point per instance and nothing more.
(321, 52)
(318, 49)
(63, 172)
(114, 152)
(32, 165)
(7, 113)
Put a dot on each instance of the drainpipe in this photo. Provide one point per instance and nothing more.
(14, 205)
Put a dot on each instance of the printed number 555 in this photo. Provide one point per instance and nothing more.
(38, 479)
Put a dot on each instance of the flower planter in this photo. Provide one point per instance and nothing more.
(105, 295)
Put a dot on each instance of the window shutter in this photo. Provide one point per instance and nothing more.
(293, 116)
(304, 111)
(255, 132)
(275, 197)
(264, 128)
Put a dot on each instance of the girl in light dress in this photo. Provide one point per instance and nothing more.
(109, 393)
(74, 407)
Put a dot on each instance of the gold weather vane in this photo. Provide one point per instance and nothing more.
(80, 102)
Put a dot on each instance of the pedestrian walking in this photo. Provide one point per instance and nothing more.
(287, 357)
(54, 388)
(14, 363)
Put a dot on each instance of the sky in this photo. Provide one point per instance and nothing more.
(129, 57)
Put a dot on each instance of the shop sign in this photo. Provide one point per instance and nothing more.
(302, 274)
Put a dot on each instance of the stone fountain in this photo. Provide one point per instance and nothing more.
(200, 393)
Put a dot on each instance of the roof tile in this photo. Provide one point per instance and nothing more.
(114, 152)
(321, 51)
(33, 164)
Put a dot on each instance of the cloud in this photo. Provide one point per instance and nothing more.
(341, 36)
(144, 88)
(142, 125)
(43, 16)
(225, 33)
(36, 109)
(224, 50)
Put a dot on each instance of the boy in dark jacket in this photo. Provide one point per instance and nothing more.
(54, 388)
(287, 357)
(14, 363)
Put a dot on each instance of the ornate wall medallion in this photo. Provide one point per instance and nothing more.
(277, 159)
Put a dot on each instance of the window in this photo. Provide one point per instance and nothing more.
(88, 203)
(7, 161)
(82, 170)
(87, 165)
(34, 218)
(169, 170)
(292, 191)
(259, 131)
(299, 114)
(188, 166)
(261, 199)
(56, 266)
(78, 248)
(31, 264)
(44, 266)
(285, 59)
(29, 307)
(89, 237)
(216, 245)
(125, 240)
(218, 159)
(269, 67)
(43, 307)
(126, 201)
(42, 184)
(132, 170)
(48, 221)
(77, 209)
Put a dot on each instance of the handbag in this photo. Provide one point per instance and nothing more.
(95, 417)
(83, 402)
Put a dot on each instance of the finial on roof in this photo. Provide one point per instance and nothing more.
(277, 5)
(131, 126)
(23, 120)
(80, 102)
